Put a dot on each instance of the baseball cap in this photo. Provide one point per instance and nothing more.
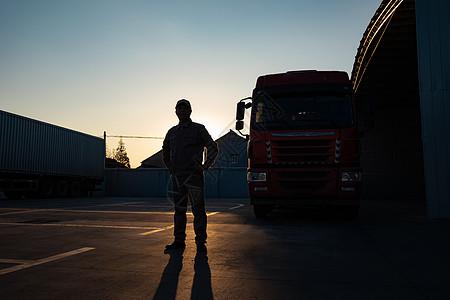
(183, 101)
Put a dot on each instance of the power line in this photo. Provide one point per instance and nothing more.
(136, 137)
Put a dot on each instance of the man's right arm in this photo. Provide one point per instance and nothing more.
(166, 152)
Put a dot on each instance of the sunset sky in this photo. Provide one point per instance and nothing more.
(120, 66)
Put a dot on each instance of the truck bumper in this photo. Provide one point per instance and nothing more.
(304, 187)
(302, 202)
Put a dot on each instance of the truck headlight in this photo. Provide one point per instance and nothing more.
(256, 176)
(351, 176)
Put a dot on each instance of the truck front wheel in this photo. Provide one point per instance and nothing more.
(349, 212)
(261, 211)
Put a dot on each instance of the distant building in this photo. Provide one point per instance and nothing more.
(154, 161)
(112, 163)
(232, 153)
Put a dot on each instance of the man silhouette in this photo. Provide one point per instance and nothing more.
(183, 152)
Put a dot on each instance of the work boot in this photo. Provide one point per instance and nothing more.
(176, 245)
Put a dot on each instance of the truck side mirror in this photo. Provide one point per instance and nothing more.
(239, 125)
(240, 112)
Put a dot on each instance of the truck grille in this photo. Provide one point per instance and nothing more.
(304, 162)
(319, 151)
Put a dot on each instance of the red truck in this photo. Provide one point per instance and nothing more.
(303, 146)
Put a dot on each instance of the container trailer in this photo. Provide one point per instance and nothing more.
(39, 159)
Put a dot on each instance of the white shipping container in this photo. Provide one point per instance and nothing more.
(35, 147)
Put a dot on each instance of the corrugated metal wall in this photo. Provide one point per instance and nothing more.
(433, 32)
(28, 145)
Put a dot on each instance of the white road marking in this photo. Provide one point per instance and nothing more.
(237, 206)
(156, 230)
(19, 212)
(152, 229)
(168, 227)
(115, 204)
(78, 225)
(102, 211)
(43, 260)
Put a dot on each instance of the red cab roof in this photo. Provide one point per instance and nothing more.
(302, 77)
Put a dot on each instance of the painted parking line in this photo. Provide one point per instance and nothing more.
(237, 206)
(171, 226)
(150, 230)
(23, 211)
(79, 225)
(32, 263)
(120, 204)
(156, 230)
(100, 211)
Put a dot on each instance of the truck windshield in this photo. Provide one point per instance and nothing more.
(305, 111)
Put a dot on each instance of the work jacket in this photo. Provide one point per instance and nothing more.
(183, 149)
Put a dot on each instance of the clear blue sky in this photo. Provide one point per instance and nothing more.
(120, 66)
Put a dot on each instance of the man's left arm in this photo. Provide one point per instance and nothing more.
(211, 148)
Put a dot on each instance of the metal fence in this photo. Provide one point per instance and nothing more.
(155, 182)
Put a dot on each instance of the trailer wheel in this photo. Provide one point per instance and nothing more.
(13, 195)
(62, 188)
(75, 188)
(46, 188)
(261, 211)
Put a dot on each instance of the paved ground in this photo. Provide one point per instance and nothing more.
(112, 248)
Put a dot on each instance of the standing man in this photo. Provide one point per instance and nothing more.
(183, 149)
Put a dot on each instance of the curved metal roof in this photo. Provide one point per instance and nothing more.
(387, 56)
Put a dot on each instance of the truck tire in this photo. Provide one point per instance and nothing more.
(261, 211)
(13, 195)
(46, 188)
(88, 187)
(349, 212)
(62, 188)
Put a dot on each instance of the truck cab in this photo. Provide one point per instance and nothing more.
(303, 147)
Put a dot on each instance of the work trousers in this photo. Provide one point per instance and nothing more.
(189, 189)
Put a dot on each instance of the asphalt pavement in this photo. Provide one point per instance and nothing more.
(113, 248)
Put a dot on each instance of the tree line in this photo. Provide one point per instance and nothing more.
(119, 154)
